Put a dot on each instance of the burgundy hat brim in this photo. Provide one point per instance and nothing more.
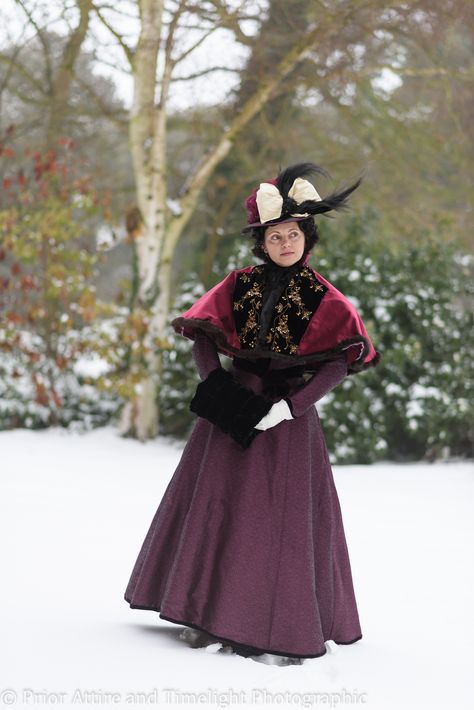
(271, 222)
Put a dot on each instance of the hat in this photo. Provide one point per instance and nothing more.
(290, 197)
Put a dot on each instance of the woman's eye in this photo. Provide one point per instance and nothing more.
(278, 238)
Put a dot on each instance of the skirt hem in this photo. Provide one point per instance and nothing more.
(230, 641)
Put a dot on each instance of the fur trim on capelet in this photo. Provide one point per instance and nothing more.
(312, 321)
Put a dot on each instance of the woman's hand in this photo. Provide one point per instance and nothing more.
(279, 411)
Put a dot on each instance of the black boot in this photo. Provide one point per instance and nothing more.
(242, 650)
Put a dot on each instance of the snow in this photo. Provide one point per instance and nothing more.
(174, 206)
(385, 81)
(75, 509)
(91, 365)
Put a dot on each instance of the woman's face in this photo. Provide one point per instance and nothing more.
(284, 243)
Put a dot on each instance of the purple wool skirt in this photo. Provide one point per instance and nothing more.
(249, 545)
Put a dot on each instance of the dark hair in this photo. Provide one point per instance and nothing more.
(307, 226)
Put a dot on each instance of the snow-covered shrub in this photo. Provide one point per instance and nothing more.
(47, 298)
(416, 301)
(37, 390)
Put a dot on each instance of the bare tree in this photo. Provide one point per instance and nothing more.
(50, 82)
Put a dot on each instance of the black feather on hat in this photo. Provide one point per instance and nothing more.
(291, 209)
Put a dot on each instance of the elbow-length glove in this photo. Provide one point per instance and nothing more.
(235, 409)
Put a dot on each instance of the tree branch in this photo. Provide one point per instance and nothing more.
(169, 63)
(244, 114)
(106, 110)
(202, 73)
(129, 53)
(188, 51)
(21, 69)
(229, 20)
(42, 38)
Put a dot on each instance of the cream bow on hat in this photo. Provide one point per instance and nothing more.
(270, 201)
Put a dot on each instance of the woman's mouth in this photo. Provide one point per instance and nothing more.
(287, 253)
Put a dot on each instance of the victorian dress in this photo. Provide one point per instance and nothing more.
(248, 543)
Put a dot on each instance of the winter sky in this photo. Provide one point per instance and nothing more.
(218, 49)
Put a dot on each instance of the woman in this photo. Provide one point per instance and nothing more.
(247, 544)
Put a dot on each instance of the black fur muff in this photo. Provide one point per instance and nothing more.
(235, 409)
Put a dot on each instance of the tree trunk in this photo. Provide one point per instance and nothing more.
(61, 85)
(140, 415)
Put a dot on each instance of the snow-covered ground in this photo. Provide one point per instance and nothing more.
(74, 512)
